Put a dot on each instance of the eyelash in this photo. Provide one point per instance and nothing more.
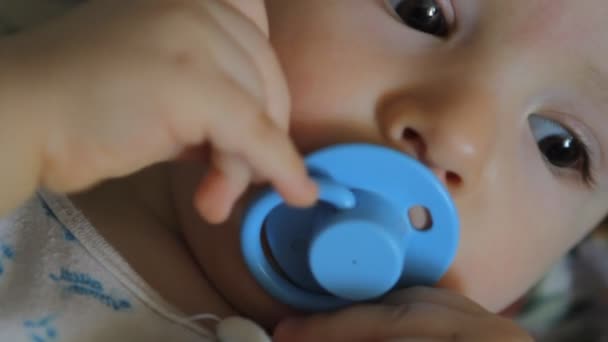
(556, 128)
(587, 174)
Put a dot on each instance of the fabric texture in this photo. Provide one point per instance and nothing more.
(60, 281)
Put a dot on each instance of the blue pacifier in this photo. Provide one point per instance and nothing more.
(358, 243)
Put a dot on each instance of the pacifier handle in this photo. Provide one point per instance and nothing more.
(339, 196)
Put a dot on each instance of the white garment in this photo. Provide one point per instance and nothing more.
(60, 281)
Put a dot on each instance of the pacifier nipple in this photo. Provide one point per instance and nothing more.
(356, 260)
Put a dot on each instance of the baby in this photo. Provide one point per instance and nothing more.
(158, 115)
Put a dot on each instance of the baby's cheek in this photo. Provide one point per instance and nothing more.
(485, 287)
(497, 269)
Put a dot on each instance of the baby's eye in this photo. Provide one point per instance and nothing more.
(423, 15)
(560, 147)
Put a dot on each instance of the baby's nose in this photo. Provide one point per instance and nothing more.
(456, 144)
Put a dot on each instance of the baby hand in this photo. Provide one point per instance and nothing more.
(133, 83)
(418, 314)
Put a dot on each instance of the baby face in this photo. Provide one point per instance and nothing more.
(503, 100)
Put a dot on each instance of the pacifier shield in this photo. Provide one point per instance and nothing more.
(358, 243)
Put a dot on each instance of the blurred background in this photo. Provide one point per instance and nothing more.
(570, 304)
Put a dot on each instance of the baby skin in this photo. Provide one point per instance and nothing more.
(164, 117)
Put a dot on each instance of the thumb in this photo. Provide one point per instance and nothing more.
(360, 323)
(374, 323)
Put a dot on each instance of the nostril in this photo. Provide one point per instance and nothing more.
(453, 179)
(413, 139)
(410, 135)
(416, 141)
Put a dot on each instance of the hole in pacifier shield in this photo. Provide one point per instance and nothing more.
(420, 218)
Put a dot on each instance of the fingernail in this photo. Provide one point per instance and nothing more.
(307, 194)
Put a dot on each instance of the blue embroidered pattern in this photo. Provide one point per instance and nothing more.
(83, 284)
(41, 330)
(7, 253)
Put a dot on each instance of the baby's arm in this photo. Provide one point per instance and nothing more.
(114, 86)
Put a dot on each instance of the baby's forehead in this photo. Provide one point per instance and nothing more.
(554, 36)
(564, 23)
(568, 30)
